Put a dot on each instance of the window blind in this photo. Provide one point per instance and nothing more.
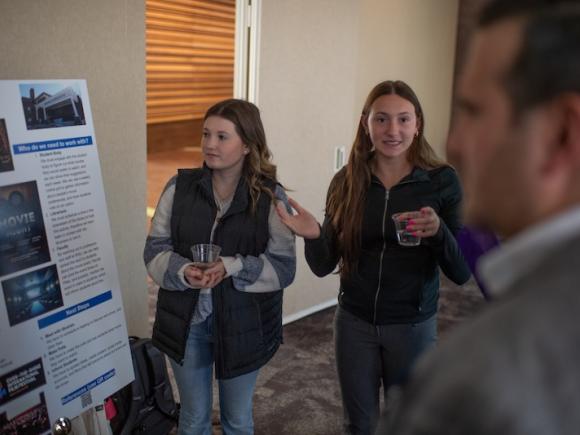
(190, 57)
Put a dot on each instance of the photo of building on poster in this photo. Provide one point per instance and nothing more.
(23, 241)
(32, 294)
(5, 154)
(49, 105)
(31, 421)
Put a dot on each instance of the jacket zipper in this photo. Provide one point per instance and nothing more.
(219, 365)
(384, 247)
(382, 254)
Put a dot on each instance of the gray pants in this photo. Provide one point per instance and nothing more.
(370, 355)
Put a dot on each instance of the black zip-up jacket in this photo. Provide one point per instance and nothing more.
(393, 283)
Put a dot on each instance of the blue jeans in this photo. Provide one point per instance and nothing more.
(369, 355)
(194, 381)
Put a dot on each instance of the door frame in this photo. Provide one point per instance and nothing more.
(247, 49)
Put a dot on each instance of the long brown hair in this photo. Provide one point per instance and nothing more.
(258, 166)
(347, 192)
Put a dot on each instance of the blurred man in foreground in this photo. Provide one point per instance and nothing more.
(516, 368)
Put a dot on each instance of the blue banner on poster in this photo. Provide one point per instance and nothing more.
(34, 147)
(87, 387)
(74, 309)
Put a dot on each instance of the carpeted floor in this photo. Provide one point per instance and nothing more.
(297, 391)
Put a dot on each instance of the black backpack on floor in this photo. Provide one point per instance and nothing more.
(146, 405)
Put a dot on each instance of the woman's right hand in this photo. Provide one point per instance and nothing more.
(195, 277)
(302, 223)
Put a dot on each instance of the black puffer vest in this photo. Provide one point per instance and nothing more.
(247, 326)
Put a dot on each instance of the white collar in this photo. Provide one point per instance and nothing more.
(508, 262)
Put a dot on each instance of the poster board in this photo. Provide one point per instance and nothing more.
(63, 333)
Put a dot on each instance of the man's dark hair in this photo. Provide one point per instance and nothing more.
(548, 62)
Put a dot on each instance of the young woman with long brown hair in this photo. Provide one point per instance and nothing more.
(388, 293)
(230, 314)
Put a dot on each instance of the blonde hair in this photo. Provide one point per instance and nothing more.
(258, 166)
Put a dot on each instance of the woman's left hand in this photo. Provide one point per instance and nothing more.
(427, 225)
(215, 272)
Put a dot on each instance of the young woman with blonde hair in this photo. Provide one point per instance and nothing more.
(229, 315)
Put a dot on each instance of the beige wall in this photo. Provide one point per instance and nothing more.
(306, 95)
(318, 61)
(414, 41)
(103, 42)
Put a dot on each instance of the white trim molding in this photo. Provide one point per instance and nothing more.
(308, 311)
(247, 52)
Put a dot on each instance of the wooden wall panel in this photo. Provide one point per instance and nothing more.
(190, 57)
(167, 136)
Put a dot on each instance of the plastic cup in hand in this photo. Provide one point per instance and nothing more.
(205, 255)
(406, 238)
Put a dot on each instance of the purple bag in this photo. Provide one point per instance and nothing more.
(475, 242)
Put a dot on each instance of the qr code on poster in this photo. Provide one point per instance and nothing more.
(86, 399)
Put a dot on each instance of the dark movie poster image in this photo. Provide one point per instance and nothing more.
(32, 421)
(5, 154)
(31, 294)
(50, 105)
(23, 242)
(21, 381)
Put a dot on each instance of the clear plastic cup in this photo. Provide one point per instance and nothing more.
(205, 255)
(405, 237)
